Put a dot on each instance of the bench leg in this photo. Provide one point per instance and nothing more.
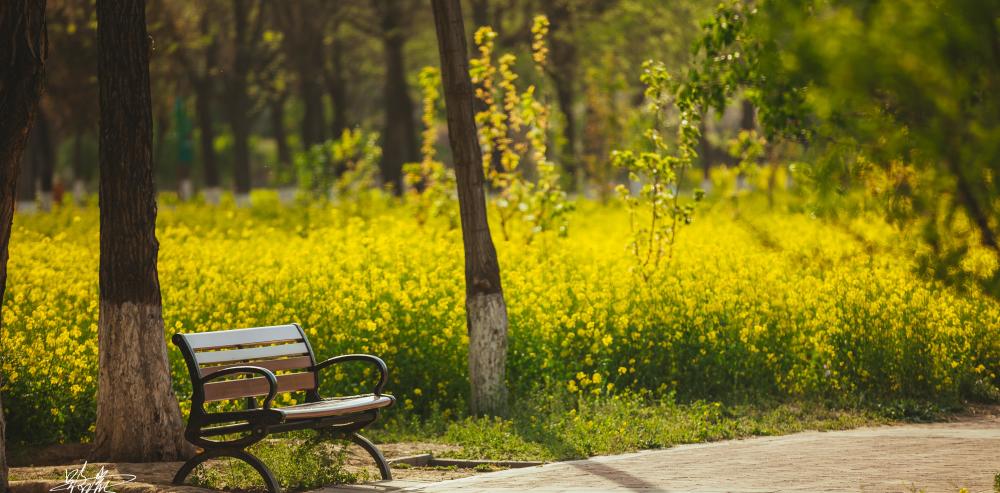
(269, 480)
(376, 454)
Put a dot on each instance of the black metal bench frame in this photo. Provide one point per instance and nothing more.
(257, 423)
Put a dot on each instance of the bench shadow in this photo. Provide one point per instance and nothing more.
(621, 477)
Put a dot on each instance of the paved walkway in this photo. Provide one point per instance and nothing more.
(935, 457)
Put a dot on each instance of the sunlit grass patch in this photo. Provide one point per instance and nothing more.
(297, 464)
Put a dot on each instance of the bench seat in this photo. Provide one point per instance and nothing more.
(336, 406)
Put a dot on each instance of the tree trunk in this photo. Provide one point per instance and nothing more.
(563, 71)
(206, 139)
(337, 87)
(280, 135)
(46, 155)
(23, 47)
(400, 138)
(705, 153)
(3, 448)
(311, 87)
(980, 214)
(185, 150)
(79, 173)
(486, 311)
(238, 102)
(204, 89)
(565, 95)
(160, 129)
(138, 419)
(27, 178)
(747, 116)
(480, 14)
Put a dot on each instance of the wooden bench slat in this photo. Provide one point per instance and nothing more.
(248, 345)
(251, 353)
(256, 335)
(293, 363)
(252, 387)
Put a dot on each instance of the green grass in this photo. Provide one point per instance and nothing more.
(554, 427)
(298, 464)
(560, 428)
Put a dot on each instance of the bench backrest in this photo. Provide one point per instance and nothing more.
(280, 348)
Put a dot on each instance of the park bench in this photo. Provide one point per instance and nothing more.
(270, 360)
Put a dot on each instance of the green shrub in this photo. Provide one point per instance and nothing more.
(298, 464)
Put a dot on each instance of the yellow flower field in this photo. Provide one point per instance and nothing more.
(771, 305)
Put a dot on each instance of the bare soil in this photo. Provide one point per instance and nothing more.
(41, 469)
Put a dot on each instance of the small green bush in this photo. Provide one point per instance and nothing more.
(298, 464)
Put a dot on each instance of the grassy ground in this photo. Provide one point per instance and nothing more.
(557, 427)
(560, 429)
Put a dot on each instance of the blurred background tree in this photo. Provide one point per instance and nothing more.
(262, 79)
(874, 105)
(894, 99)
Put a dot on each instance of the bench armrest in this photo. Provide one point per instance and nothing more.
(382, 369)
(272, 380)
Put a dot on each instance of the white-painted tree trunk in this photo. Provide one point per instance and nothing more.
(80, 191)
(634, 187)
(706, 185)
(26, 206)
(133, 390)
(185, 190)
(487, 319)
(212, 195)
(45, 201)
(286, 195)
(486, 311)
(242, 200)
(742, 184)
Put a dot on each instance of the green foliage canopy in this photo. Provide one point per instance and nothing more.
(899, 97)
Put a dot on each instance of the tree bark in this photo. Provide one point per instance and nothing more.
(337, 88)
(280, 135)
(160, 129)
(311, 88)
(23, 48)
(3, 449)
(486, 311)
(563, 71)
(747, 117)
(185, 150)
(46, 156)
(979, 213)
(566, 95)
(27, 183)
(204, 94)
(236, 105)
(400, 137)
(481, 14)
(238, 101)
(138, 419)
(206, 138)
(304, 24)
(79, 170)
(705, 154)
